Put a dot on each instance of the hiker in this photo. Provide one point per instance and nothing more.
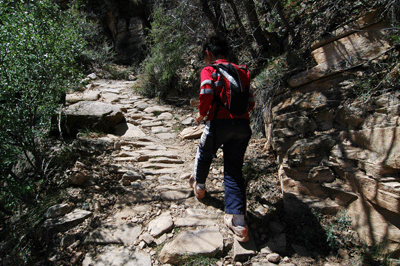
(223, 128)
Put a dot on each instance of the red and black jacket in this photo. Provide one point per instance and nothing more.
(212, 83)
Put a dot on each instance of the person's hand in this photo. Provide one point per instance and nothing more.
(199, 118)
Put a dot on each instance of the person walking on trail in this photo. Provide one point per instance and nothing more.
(223, 128)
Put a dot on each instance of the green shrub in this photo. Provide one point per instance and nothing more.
(39, 48)
(168, 43)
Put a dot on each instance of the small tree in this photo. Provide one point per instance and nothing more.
(39, 47)
(168, 44)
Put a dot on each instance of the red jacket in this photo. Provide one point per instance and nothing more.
(211, 85)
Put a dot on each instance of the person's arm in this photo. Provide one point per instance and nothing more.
(199, 118)
(206, 93)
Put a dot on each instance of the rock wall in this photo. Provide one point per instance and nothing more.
(340, 153)
(125, 23)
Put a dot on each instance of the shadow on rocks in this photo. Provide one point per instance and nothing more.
(289, 233)
(214, 198)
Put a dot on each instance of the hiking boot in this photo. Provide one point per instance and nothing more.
(238, 226)
(198, 189)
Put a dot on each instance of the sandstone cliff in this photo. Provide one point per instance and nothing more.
(336, 151)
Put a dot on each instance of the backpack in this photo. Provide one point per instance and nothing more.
(233, 95)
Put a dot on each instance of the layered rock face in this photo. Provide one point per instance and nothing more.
(125, 23)
(340, 153)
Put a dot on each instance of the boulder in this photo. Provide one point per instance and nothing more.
(67, 221)
(192, 132)
(59, 210)
(161, 224)
(88, 115)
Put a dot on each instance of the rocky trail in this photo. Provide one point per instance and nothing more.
(132, 204)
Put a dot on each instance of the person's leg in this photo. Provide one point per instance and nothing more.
(204, 155)
(235, 189)
(234, 150)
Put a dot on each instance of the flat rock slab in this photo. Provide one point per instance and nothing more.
(111, 234)
(89, 108)
(165, 116)
(132, 176)
(205, 242)
(166, 136)
(153, 154)
(164, 171)
(132, 197)
(86, 96)
(161, 224)
(67, 221)
(156, 165)
(156, 147)
(141, 105)
(165, 160)
(146, 123)
(59, 210)
(127, 159)
(192, 221)
(198, 213)
(110, 97)
(188, 121)
(128, 154)
(127, 130)
(167, 179)
(127, 214)
(159, 129)
(192, 132)
(243, 250)
(157, 109)
(177, 194)
(118, 256)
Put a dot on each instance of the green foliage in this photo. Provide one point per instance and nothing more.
(335, 230)
(90, 133)
(168, 43)
(23, 238)
(199, 261)
(98, 50)
(99, 54)
(39, 48)
(113, 71)
(250, 171)
(363, 88)
(374, 255)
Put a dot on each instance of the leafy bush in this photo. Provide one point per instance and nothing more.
(39, 48)
(99, 51)
(165, 59)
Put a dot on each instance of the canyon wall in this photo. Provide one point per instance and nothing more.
(337, 151)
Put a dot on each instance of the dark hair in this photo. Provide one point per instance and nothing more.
(217, 46)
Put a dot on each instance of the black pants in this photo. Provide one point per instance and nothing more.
(234, 135)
